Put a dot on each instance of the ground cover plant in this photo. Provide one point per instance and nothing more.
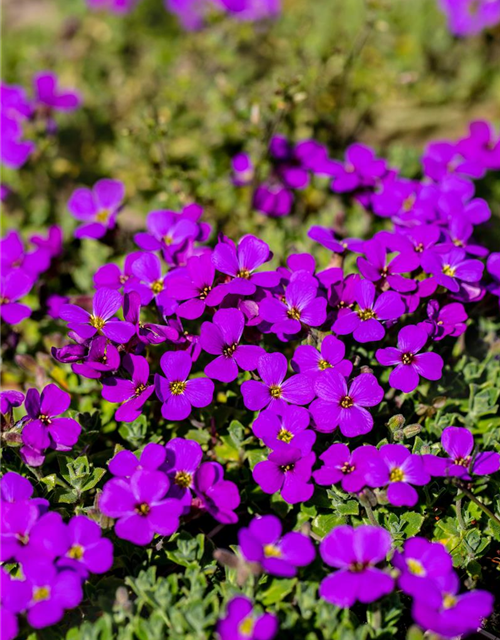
(250, 282)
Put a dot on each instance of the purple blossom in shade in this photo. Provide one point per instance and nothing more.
(301, 306)
(449, 320)
(289, 426)
(169, 232)
(15, 595)
(452, 268)
(15, 257)
(44, 429)
(222, 338)
(151, 283)
(125, 463)
(131, 393)
(469, 17)
(455, 614)
(340, 465)
(105, 305)
(287, 470)
(140, 506)
(183, 457)
(48, 94)
(396, 467)
(458, 233)
(355, 552)
(102, 357)
(71, 352)
(273, 199)
(280, 556)
(146, 332)
(420, 563)
(192, 287)
(177, 393)
(13, 286)
(343, 406)
(15, 102)
(240, 262)
(326, 238)
(366, 323)
(307, 359)
(15, 488)
(111, 276)
(341, 293)
(360, 169)
(53, 243)
(9, 400)
(442, 158)
(376, 267)
(274, 391)
(241, 623)
(458, 442)
(87, 551)
(97, 207)
(51, 593)
(243, 169)
(410, 364)
(215, 495)
(482, 144)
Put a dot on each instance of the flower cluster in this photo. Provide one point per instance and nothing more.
(54, 558)
(148, 495)
(469, 17)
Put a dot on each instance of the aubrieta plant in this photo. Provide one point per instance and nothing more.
(277, 425)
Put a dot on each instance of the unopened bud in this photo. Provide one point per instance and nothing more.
(412, 430)
(396, 422)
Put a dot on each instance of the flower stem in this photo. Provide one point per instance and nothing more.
(460, 518)
(482, 506)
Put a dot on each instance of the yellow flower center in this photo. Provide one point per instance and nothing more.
(45, 419)
(168, 240)
(323, 364)
(448, 270)
(397, 475)
(293, 313)
(419, 248)
(449, 601)
(347, 467)
(177, 388)
(271, 551)
(142, 509)
(139, 389)
(76, 552)
(41, 593)
(285, 436)
(230, 349)
(244, 273)
(275, 391)
(463, 462)
(407, 358)
(204, 292)
(366, 314)
(96, 322)
(157, 286)
(346, 402)
(246, 627)
(103, 215)
(182, 479)
(415, 567)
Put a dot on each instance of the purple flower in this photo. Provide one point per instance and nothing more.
(9, 400)
(120, 7)
(87, 551)
(287, 470)
(482, 145)
(274, 390)
(16, 595)
(442, 158)
(106, 303)
(376, 267)
(183, 457)
(340, 465)
(51, 593)
(111, 276)
(125, 463)
(299, 306)
(171, 232)
(222, 338)
(455, 614)
(326, 237)
(132, 393)
(396, 467)
(28, 536)
(140, 506)
(241, 623)
(468, 17)
(13, 286)
(342, 406)
(177, 393)
(355, 552)
(288, 426)
(214, 494)
(452, 268)
(15, 257)
(365, 323)
(151, 283)
(280, 556)
(97, 207)
(361, 169)
(48, 94)
(307, 359)
(243, 169)
(449, 320)
(102, 357)
(273, 199)
(410, 364)
(240, 262)
(458, 443)
(147, 332)
(44, 429)
(192, 287)
(420, 563)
